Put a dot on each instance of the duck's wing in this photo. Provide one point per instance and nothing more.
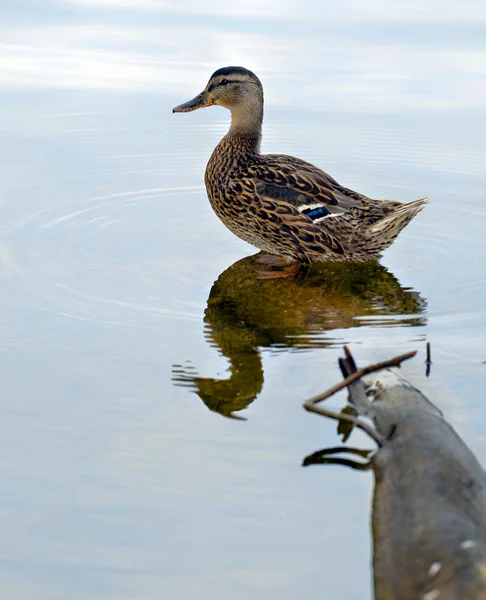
(290, 198)
(312, 191)
(294, 199)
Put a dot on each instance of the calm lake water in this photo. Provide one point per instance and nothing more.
(133, 326)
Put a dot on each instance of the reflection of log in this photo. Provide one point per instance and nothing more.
(429, 502)
(245, 313)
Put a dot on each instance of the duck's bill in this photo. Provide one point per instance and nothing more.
(194, 104)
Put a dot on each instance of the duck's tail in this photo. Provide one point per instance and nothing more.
(387, 228)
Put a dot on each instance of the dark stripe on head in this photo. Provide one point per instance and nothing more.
(220, 83)
(235, 74)
(225, 71)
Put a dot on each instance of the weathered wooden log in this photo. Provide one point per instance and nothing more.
(429, 500)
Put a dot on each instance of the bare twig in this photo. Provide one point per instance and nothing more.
(392, 362)
(311, 404)
(342, 417)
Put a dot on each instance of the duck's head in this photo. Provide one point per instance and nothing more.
(237, 89)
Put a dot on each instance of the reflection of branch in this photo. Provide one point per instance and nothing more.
(321, 457)
(428, 360)
(310, 404)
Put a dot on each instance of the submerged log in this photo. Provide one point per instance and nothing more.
(429, 500)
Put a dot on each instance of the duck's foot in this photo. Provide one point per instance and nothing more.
(287, 271)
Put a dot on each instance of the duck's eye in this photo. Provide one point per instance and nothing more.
(224, 82)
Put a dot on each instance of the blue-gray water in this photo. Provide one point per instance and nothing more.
(117, 481)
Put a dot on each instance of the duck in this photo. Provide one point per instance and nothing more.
(288, 208)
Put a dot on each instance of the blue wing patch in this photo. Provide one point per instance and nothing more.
(316, 213)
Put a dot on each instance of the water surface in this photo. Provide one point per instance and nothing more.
(129, 310)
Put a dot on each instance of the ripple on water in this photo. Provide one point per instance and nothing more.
(102, 259)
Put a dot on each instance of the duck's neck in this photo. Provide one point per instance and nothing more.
(246, 124)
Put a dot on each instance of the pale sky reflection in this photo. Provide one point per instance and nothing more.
(373, 10)
(385, 76)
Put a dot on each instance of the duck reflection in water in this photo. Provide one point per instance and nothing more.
(246, 313)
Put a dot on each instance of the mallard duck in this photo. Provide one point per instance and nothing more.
(281, 204)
